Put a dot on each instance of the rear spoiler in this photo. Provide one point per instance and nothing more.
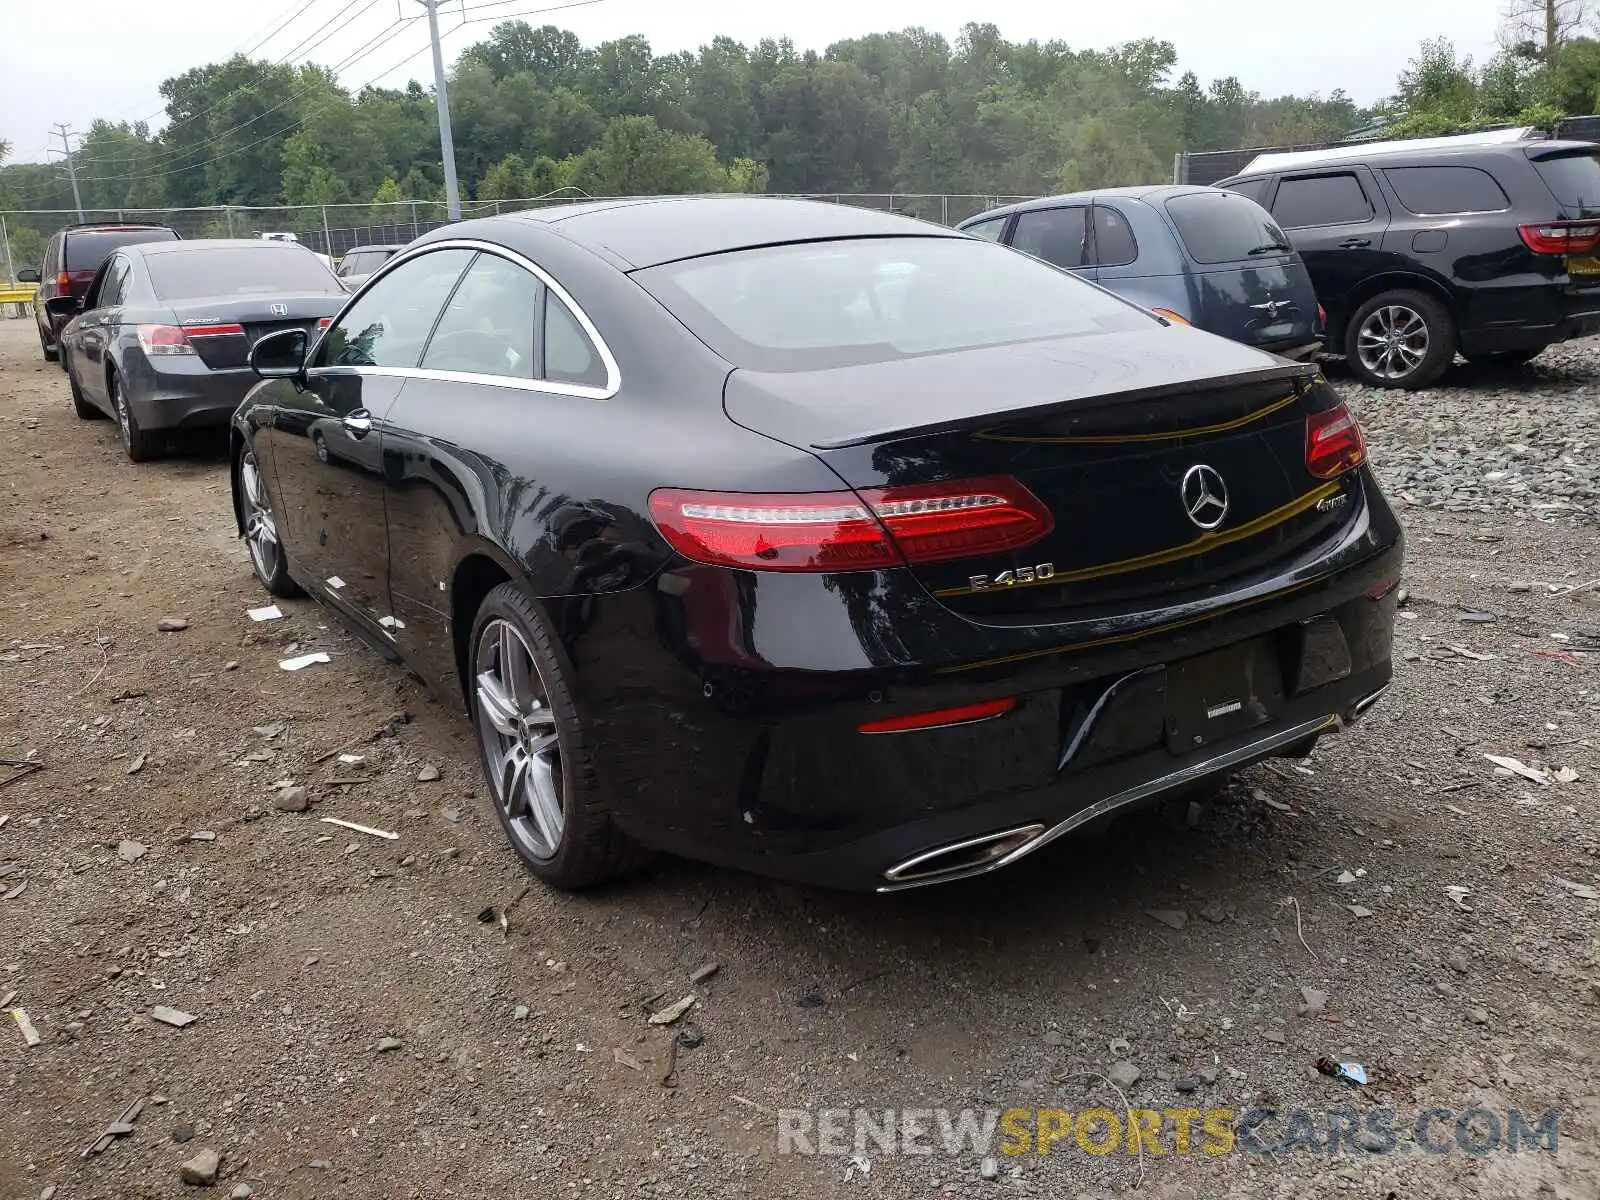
(1542, 150)
(1279, 370)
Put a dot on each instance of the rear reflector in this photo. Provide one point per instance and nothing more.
(1560, 237)
(195, 331)
(1384, 588)
(1169, 315)
(161, 341)
(961, 715)
(851, 531)
(1334, 444)
(323, 323)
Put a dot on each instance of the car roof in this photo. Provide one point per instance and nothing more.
(190, 245)
(1425, 151)
(376, 246)
(1149, 193)
(649, 231)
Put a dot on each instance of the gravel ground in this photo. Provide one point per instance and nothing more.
(405, 1018)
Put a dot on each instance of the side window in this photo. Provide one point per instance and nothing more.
(1114, 245)
(388, 325)
(1252, 189)
(1444, 191)
(989, 230)
(569, 355)
(1321, 200)
(1057, 235)
(114, 287)
(487, 327)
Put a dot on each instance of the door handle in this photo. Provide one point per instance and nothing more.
(1354, 243)
(359, 424)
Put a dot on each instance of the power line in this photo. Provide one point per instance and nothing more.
(289, 20)
(293, 125)
(169, 155)
(323, 26)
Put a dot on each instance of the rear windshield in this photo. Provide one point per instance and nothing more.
(88, 249)
(1225, 227)
(840, 303)
(238, 271)
(1574, 178)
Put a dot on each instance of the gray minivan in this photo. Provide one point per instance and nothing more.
(1212, 258)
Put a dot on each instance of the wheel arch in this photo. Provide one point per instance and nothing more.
(482, 567)
(1388, 281)
(235, 456)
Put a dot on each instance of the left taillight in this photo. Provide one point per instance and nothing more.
(323, 323)
(850, 530)
(1334, 443)
(163, 341)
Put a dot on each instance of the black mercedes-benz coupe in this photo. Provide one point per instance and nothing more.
(161, 339)
(820, 542)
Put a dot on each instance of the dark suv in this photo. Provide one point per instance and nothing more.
(1417, 251)
(71, 258)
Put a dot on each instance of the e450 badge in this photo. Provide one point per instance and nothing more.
(1037, 573)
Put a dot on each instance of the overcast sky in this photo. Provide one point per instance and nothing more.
(75, 60)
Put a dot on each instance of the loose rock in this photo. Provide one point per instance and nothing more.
(1124, 1074)
(1314, 1002)
(389, 1043)
(201, 1170)
(989, 1169)
(172, 624)
(130, 851)
(292, 800)
(1174, 918)
(428, 774)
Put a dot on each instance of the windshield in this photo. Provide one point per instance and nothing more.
(1221, 227)
(1574, 179)
(238, 271)
(86, 250)
(829, 304)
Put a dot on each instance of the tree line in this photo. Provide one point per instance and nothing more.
(535, 111)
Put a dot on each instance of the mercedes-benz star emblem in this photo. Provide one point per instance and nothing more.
(278, 309)
(1205, 496)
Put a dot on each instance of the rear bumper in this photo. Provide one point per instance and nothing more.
(189, 396)
(1539, 316)
(713, 750)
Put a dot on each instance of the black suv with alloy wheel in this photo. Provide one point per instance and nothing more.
(1475, 244)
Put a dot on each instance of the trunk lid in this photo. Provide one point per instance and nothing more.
(257, 318)
(1114, 435)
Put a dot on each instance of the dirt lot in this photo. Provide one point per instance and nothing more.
(522, 1063)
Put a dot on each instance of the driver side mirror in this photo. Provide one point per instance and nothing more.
(280, 355)
(64, 307)
(27, 275)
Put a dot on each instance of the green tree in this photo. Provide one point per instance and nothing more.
(636, 157)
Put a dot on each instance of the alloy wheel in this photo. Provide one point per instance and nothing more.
(517, 730)
(1393, 341)
(260, 528)
(124, 421)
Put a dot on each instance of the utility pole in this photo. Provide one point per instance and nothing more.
(64, 132)
(441, 99)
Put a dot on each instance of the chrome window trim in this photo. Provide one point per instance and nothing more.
(581, 391)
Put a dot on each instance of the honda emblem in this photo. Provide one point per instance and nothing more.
(278, 309)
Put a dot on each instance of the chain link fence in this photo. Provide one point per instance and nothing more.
(333, 229)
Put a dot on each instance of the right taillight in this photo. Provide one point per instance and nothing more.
(63, 283)
(161, 341)
(1169, 315)
(851, 531)
(1560, 237)
(1334, 443)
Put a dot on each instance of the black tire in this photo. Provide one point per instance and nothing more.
(51, 353)
(84, 410)
(138, 444)
(269, 561)
(590, 848)
(1506, 358)
(1429, 333)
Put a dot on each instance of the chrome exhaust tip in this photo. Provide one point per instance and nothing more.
(974, 856)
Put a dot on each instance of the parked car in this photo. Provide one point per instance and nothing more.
(294, 239)
(163, 338)
(359, 262)
(726, 558)
(1420, 250)
(1201, 255)
(71, 258)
